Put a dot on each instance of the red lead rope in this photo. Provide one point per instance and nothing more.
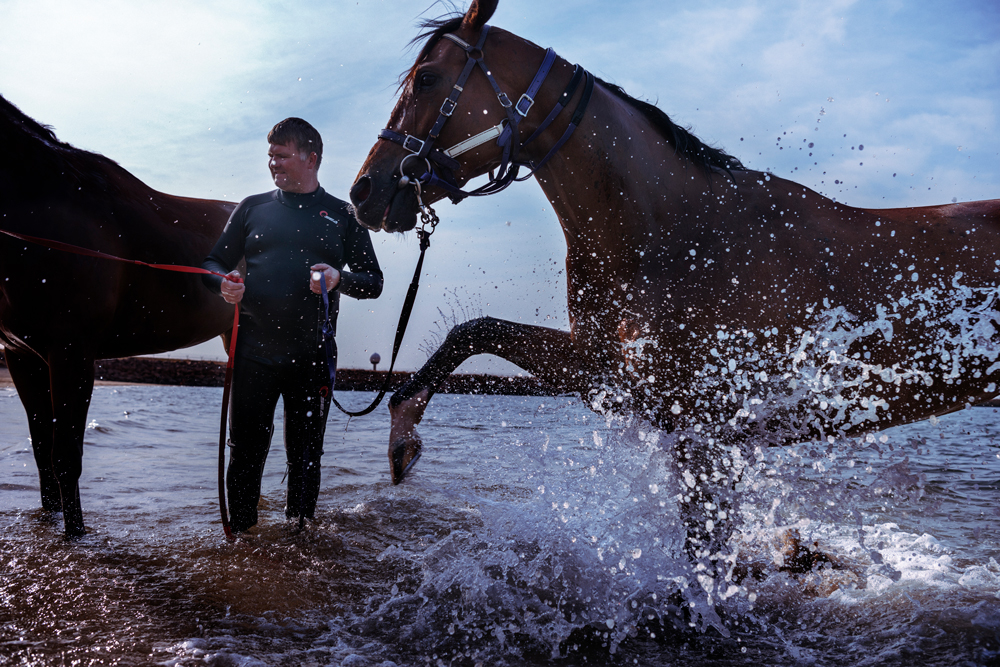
(222, 420)
(177, 268)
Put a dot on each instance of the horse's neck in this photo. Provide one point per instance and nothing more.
(613, 186)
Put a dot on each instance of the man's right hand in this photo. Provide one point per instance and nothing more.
(232, 291)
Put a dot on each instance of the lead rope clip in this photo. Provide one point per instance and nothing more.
(428, 217)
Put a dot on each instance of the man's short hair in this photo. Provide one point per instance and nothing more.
(299, 132)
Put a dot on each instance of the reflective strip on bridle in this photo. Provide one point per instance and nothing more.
(473, 142)
(505, 132)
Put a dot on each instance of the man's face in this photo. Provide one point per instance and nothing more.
(291, 170)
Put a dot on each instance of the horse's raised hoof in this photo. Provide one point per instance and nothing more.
(404, 443)
(403, 453)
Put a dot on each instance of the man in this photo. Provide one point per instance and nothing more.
(294, 239)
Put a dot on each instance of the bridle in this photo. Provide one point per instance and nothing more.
(441, 164)
(435, 159)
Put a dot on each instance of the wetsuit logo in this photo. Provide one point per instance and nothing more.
(324, 214)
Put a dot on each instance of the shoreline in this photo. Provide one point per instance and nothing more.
(205, 373)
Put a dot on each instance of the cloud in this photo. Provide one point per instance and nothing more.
(183, 93)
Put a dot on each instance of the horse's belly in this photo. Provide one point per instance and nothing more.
(918, 356)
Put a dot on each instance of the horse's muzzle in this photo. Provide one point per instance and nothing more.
(387, 207)
(361, 190)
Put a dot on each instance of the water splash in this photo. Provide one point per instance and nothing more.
(592, 541)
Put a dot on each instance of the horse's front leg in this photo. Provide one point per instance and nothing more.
(548, 354)
(72, 382)
(708, 470)
(30, 374)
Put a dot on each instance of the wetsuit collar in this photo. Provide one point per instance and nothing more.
(296, 200)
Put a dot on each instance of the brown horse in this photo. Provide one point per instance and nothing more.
(702, 295)
(59, 312)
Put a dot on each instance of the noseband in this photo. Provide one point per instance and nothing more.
(441, 164)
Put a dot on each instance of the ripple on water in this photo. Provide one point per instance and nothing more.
(507, 545)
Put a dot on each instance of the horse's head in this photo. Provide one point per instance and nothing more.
(446, 125)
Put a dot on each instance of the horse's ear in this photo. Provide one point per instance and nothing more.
(478, 14)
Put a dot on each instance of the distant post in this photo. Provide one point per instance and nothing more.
(375, 358)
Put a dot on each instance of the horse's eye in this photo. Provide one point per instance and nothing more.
(426, 80)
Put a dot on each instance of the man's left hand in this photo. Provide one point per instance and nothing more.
(318, 272)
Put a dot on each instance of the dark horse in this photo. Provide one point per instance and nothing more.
(59, 312)
(704, 296)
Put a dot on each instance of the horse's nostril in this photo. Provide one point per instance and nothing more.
(360, 191)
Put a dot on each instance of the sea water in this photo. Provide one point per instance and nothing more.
(532, 531)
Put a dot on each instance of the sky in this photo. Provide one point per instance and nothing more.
(901, 101)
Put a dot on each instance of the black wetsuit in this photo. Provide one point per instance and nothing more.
(279, 347)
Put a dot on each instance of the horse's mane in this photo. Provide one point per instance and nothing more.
(44, 163)
(432, 30)
(685, 143)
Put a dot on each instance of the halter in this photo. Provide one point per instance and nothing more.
(505, 133)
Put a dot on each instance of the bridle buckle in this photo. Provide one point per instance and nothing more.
(448, 107)
(529, 100)
(412, 139)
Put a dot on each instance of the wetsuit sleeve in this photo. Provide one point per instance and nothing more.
(364, 280)
(228, 250)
